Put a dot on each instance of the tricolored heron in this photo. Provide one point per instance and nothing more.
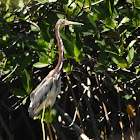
(46, 92)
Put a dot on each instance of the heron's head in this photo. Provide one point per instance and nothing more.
(66, 22)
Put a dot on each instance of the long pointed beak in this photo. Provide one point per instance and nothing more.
(72, 23)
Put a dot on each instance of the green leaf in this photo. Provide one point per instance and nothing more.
(115, 2)
(11, 18)
(50, 115)
(122, 64)
(42, 1)
(101, 42)
(26, 81)
(127, 96)
(90, 17)
(4, 64)
(121, 50)
(115, 58)
(110, 7)
(132, 43)
(129, 1)
(137, 3)
(118, 60)
(123, 21)
(137, 69)
(34, 28)
(130, 55)
(14, 4)
(44, 30)
(131, 52)
(21, 3)
(136, 18)
(24, 100)
(18, 92)
(68, 68)
(40, 65)
(60, 16)
(68, 45)
(52, 1)
(76, 51)
(52, 54)
(45, 60)
(110, 23)
(88, 32)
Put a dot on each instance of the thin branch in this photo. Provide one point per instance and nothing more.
(76, 111)
(104, 106)
(76, 104)
(94, 125)
(134, 79)
(83, 8)
(94, 4)
(58, 12)
(33, 23)
(13, 43)
(80, 10)
(10, 73)
(67, 118)
(71, 3)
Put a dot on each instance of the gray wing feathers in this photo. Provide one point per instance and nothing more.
(39, 95)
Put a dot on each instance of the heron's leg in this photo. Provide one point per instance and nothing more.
(42, 122)
(48, 124)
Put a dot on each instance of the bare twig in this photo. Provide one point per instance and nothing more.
(80, 10)
(33, 23)
(67, 118)
(94, 3)
(83, 8)
(13, 43)
(10, 73)
(104, 106)
(76, 104)
(71, 3)
(93, 121)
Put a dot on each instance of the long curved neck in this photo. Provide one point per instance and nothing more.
(61, 49)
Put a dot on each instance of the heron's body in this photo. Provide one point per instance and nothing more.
(46, 92)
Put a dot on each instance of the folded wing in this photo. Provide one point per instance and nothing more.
(43, 95)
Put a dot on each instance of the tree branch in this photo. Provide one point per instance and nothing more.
(67, 118)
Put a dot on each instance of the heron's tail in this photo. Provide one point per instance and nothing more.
(32, 114)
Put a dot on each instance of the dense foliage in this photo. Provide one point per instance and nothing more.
(100, 77)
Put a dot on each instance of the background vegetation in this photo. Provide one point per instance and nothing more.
(100, 77)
